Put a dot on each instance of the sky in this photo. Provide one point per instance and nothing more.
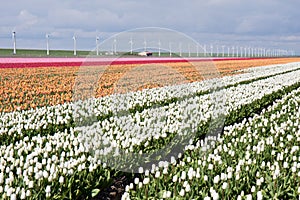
(255, 23)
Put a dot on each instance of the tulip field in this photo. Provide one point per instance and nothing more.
(236, 136)
(26, 84)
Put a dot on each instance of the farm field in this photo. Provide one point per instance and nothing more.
(25, 88)
(230, 131)
(41, 53)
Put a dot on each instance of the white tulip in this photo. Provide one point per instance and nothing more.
(182, 192)
(249, 197)
(141, 170)
(61, 179)
(175, 178)
(259, 195)
(224, 186)
(216, 179)
(157, 174)
(13, 196)
(253, 189)
(136, 181)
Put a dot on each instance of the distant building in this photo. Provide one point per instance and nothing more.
(109, 53)
(145, 53)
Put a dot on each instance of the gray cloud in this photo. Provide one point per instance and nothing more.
(268, 23)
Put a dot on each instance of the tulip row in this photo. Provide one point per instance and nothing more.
(258, 158)
(153, 126)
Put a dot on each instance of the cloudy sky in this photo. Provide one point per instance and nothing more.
(255, 23)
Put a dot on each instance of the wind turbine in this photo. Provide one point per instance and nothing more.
(228, 51)
(131, 44)
(223, 50)
(217, 51)
(211, 50)
(115, 46)
(170, 46)
(189, 50)
(47, 45)
(241, 51)
(145, 45)
(74, 39)
(204, 48)
(180, 53)
(14, 42)
(249, 52)
(233, 51)
(97, 45)
(159, 48)
(197, 49)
